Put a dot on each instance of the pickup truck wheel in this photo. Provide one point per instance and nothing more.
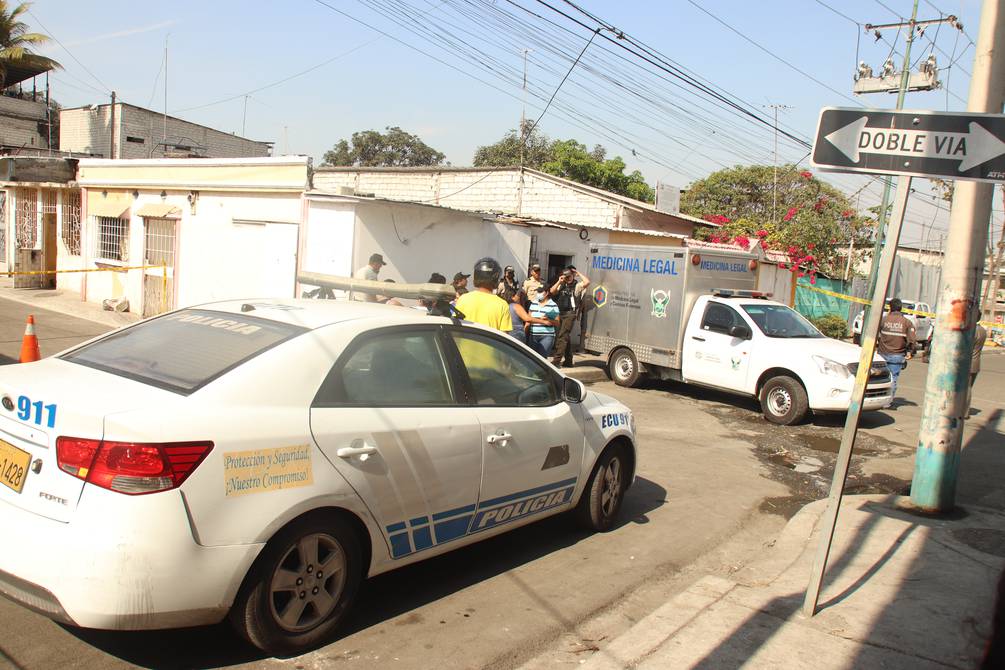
(624, 368)
(783, 400)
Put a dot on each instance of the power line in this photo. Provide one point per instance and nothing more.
(107, 89)
(772, 54)
(279, 81)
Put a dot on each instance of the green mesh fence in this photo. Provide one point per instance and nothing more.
(814, 304)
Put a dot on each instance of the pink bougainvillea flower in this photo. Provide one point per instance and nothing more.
(764, 244)
(761, 233)
(716, 239)
(806, 174)
(789, 214)
(847, 214)
(742, 240)
(810, 246)
(793, 251)
(783, 266)
(802, 274)
(813, 279)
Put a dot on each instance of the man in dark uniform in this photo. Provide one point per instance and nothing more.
(564, 294)
(897, 341)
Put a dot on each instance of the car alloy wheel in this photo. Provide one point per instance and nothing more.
(308, 582)
(611, 493)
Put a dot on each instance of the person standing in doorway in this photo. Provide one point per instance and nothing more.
(544, 313)
(897, 341)
(533, 281)
(564, 293)
(370, 272)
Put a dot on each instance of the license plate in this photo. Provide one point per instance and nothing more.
(13, 466)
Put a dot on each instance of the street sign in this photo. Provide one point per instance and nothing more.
(917, 143)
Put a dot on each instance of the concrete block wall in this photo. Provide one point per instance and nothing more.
(140, 132)
(85, 131)
(19, 123)
(502, 192)
(148, 126)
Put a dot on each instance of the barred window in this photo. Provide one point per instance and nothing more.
(71, 222)
(113, 238)
(26, 217)
(160, 238)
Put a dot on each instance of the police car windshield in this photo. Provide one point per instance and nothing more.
(780, 321)
(183, 351)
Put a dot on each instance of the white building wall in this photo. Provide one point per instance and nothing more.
(234, 245)
(417, 241)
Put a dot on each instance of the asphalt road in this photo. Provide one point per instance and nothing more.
(716, 482)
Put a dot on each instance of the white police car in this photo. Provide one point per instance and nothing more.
(261, 458)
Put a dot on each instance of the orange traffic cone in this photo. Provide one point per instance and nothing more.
(29, 345)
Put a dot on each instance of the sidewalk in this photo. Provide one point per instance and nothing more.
(65, 302)
(901, 591)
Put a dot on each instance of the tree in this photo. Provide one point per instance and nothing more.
(506, 152)
(16, 42)
(809, 220)
(573, 161)
(568, 159)
(395, 148)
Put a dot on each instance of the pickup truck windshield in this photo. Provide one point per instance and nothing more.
(780, 321)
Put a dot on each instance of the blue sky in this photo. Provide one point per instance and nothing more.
(368, 80)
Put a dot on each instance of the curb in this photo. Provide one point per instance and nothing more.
(587, 374)
(87, 313)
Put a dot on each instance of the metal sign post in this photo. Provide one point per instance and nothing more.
(869, 332)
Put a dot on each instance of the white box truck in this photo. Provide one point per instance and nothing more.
(691, 314)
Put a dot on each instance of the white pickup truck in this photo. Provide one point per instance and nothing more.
(690, 314)
(915, 312)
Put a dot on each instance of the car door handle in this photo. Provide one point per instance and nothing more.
(363, 452)
(695, 337)
(499, 437)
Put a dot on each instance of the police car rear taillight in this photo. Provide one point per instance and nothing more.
(130, 467)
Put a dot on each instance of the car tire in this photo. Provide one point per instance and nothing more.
(623, 367)
(605, 491)
(284, 606)
(783, 400)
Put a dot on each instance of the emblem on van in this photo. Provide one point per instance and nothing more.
(600, 296)
(660, 300)
(7, 403)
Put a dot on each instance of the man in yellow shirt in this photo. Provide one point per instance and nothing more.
(482, 305)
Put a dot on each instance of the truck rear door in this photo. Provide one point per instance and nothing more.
(711, 355)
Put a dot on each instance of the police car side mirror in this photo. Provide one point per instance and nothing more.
(573, 390)
(742, 332)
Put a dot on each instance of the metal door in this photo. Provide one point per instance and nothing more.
(159, 247)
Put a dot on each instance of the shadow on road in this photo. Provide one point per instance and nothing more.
(381, 598)
(822, 419)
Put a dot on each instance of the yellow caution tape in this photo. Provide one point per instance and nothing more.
(863, 301)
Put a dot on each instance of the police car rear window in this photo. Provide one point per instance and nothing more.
(183, 351)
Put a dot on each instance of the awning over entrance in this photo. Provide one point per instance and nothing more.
(112, 205)
(159, 211)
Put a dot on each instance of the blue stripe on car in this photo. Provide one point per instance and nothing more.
(455, 523)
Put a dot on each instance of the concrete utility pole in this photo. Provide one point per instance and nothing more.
(905, 78)
(994, 275)
(933, 488)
